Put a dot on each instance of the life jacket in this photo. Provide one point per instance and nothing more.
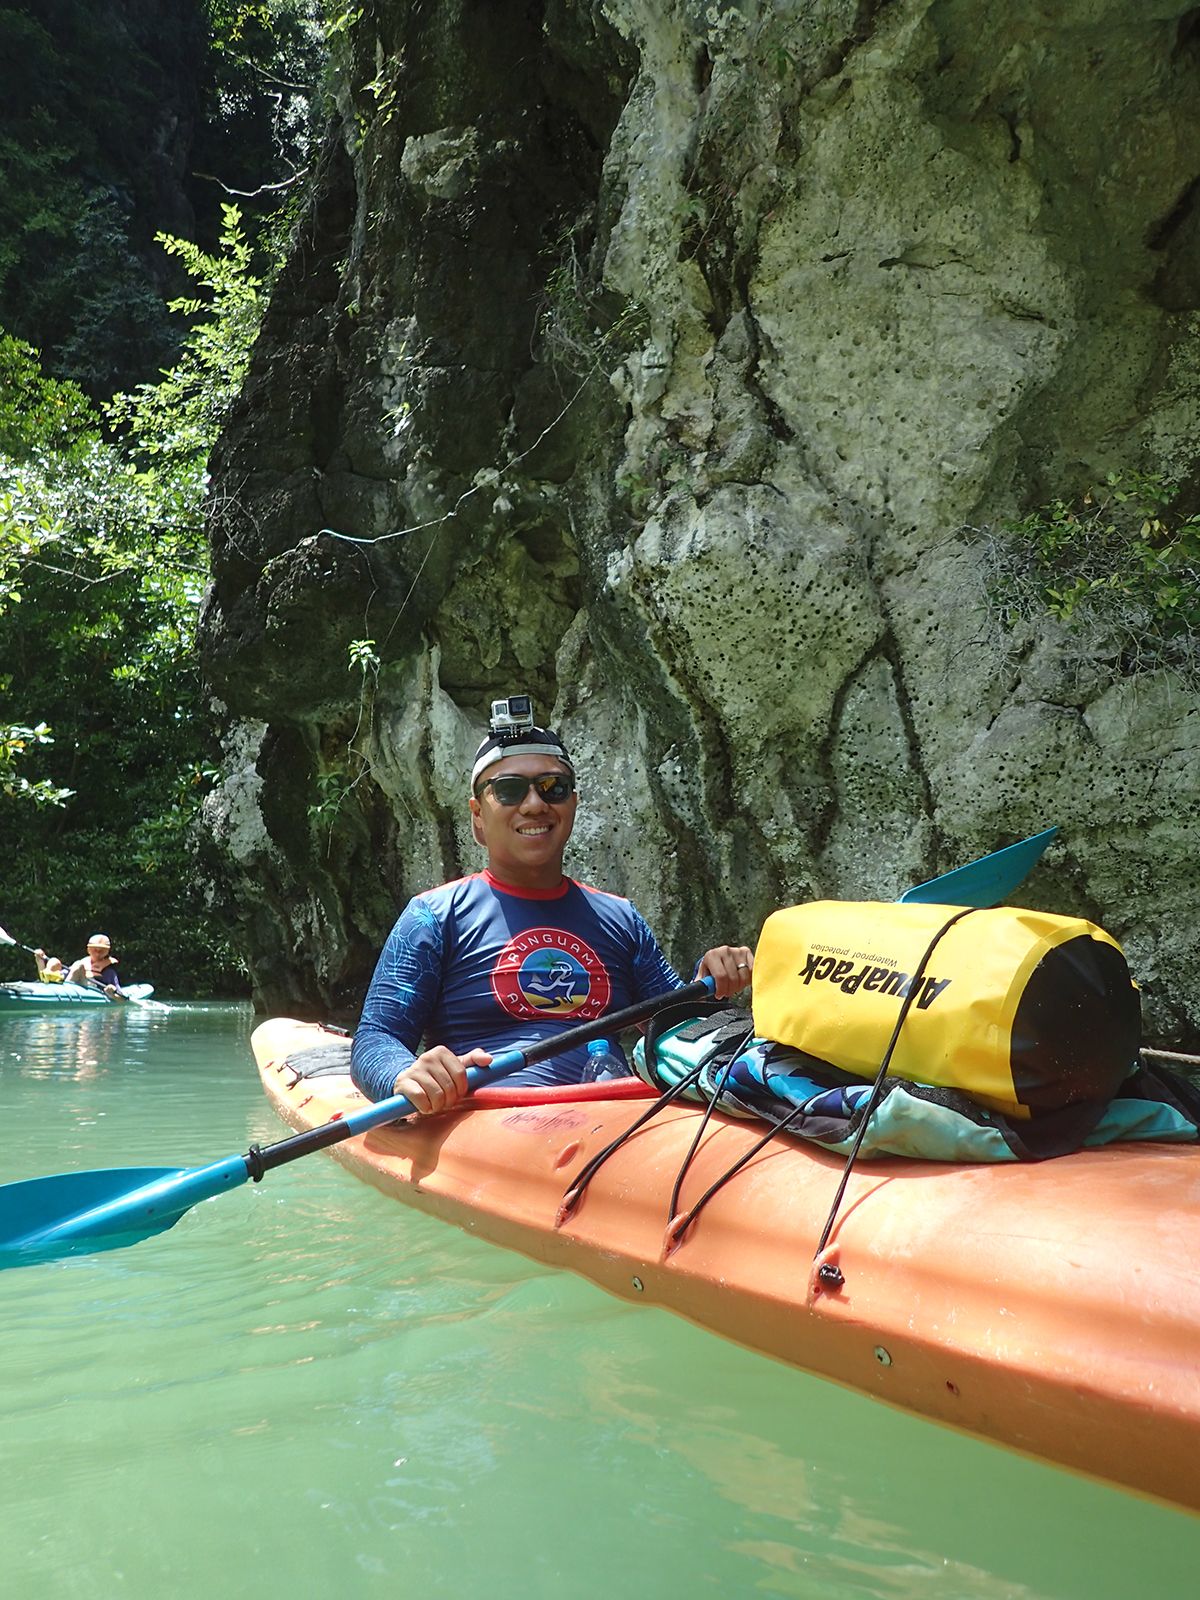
(1025, 1011)
(88, 974)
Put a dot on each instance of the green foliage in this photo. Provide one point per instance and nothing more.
(178, 417)
(1117, 564)
(38, 413)
(102, 568)
(583, 329)
(265, 95)
(342, 19)
(363, 656)
(89, 91)
(37, 416)
(14, 742)
(101, 648)
(75, 505)
(117, 120)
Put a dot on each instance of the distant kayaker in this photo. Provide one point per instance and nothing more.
(50, 968)
(98, 968)
(513, 954)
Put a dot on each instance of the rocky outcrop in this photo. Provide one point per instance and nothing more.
(666, 362)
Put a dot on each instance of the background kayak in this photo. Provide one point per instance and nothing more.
(22, 995)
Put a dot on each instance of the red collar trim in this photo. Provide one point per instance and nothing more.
(524, 894)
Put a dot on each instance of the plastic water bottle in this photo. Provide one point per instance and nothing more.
(603, 1061)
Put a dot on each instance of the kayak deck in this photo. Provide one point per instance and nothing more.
(1051, 1308)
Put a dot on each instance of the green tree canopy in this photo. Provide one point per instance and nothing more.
(102, 569)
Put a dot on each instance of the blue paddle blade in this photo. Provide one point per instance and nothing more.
(984, 882)
(77, 1212)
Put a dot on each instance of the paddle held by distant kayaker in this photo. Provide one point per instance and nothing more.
(507, 956)
(98, 968)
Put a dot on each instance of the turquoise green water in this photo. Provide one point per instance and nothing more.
(304, 1388)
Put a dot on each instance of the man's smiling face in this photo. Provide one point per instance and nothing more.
(525, 842)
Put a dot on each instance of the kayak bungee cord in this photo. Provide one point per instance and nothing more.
(590, 1168)
(679, 1225)
(588, 1171)
(718, 1090)
(828, 1274)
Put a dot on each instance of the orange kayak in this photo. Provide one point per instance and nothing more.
(1053, 1308)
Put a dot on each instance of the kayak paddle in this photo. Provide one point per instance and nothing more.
(7, 938)
(984, 882)
(131, 991)
(81, 1212)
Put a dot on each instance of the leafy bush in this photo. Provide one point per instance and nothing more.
(115, 119)
(14, 742)
(178, 417)
(102, 568)
(1118, 565)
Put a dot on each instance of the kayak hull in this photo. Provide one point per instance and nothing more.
(22, 996)
(1050, 1308)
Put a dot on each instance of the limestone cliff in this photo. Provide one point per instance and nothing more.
(665, 361)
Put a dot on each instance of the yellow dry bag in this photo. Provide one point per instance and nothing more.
(1024, 1010)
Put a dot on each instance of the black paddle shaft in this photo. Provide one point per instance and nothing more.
(260, 1161)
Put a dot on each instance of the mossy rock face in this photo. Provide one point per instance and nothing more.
(663, 365)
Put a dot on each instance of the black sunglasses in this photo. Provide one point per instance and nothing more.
(553, 787)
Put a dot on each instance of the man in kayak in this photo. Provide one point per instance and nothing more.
(515, 953)
(97, 969)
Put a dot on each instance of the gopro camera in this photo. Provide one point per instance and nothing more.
(512, 715)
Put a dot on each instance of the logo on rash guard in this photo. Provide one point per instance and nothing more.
(548, 973)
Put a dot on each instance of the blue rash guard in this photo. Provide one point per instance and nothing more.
(477, 962)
